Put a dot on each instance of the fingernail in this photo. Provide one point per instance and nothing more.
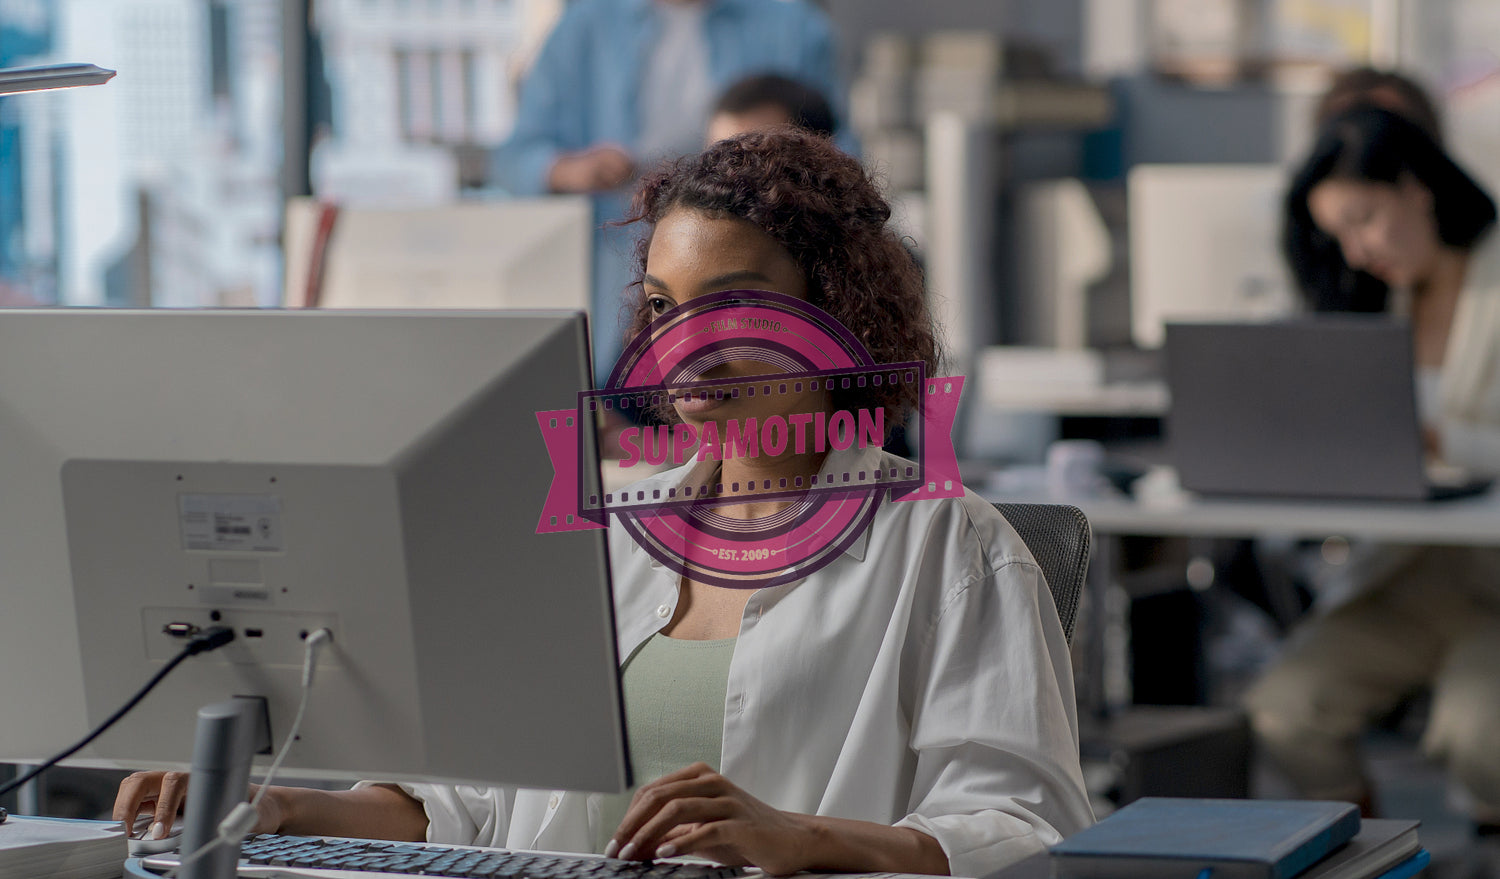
(666, 851)
(611, 849)
(628, 851)
(158, 830)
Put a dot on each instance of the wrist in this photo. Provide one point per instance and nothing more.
(274, 810)
(845, 845)
(815, 841)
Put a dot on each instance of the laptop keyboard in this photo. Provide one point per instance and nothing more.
(423, 859)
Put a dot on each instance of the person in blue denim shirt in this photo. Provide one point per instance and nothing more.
(622, 84)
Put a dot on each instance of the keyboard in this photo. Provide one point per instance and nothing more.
(335, 857)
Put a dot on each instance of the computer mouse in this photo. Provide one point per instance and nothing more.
(139, 827)
(140, 843)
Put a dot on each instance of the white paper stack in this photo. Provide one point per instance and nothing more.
(60, 849)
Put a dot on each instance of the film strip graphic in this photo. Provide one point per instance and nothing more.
(810, 433)
(933, 475)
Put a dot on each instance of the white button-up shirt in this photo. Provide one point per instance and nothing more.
(920, 679)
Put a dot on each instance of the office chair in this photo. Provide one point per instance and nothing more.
(1058, 536)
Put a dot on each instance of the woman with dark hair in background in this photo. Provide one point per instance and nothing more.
(1380, 219)
(1359, 87)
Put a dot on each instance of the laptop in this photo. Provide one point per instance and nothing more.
(1319, 407)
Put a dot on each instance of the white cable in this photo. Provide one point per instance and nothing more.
(314, 641)
(236, 825)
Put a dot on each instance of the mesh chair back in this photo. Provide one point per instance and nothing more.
(1058, 536)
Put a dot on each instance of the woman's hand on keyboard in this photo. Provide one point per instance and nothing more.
(161, 795)
(697, 811)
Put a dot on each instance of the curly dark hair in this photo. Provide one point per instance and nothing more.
(818, 203)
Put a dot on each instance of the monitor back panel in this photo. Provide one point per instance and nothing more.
(1319, 407)
(379, 474)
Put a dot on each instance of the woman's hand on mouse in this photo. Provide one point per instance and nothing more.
(378, 811)
(161, 795)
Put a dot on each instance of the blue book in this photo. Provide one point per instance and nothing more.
(1409, 867)
(1171, 838)
(1382, 849)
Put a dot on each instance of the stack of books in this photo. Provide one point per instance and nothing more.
(60, 849)
(1171, 838)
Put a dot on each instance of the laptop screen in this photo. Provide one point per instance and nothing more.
(1312, 407)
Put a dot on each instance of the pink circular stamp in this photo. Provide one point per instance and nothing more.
(677, 517)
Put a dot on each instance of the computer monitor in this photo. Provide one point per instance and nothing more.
(1205, 245)
(381, 474)
(516, 253)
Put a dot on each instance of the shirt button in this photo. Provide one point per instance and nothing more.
(553, 800)
(663, 611)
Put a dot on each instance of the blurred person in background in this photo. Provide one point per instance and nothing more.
(1326, 282)
(1380, 219)
(622, 84)
(1369, 87)
(768, 99)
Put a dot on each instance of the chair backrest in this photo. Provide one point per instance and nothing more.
(1058, 536)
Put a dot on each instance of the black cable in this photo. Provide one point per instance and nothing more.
(211, 639)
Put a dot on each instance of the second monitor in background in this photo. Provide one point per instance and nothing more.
(518, 253)
(1205, 245)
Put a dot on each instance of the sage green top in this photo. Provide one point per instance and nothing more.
(674, 713)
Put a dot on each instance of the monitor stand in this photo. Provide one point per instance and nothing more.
(228, 736)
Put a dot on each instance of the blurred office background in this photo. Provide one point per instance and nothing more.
(166, 187)
(1043, 155)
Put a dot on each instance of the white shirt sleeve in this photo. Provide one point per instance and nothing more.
(1471, 445)
(1470, 379)
(995, 733)
(462, 814)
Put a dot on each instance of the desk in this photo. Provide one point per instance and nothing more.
(1071, 382)
(1038, 866)
(1473, 521)
(1103, 686)
(1144, 399)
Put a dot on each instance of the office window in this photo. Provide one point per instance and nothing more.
(1454, 47)
(469, 82)
(113, 194)
(405, 87)
(419, 88)
(162, 186)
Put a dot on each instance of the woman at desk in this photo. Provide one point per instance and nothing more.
(908, 707)
(1381, 220)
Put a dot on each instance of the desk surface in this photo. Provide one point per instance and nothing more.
(1471, 521)
(1038, 866)
(1144, 399)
